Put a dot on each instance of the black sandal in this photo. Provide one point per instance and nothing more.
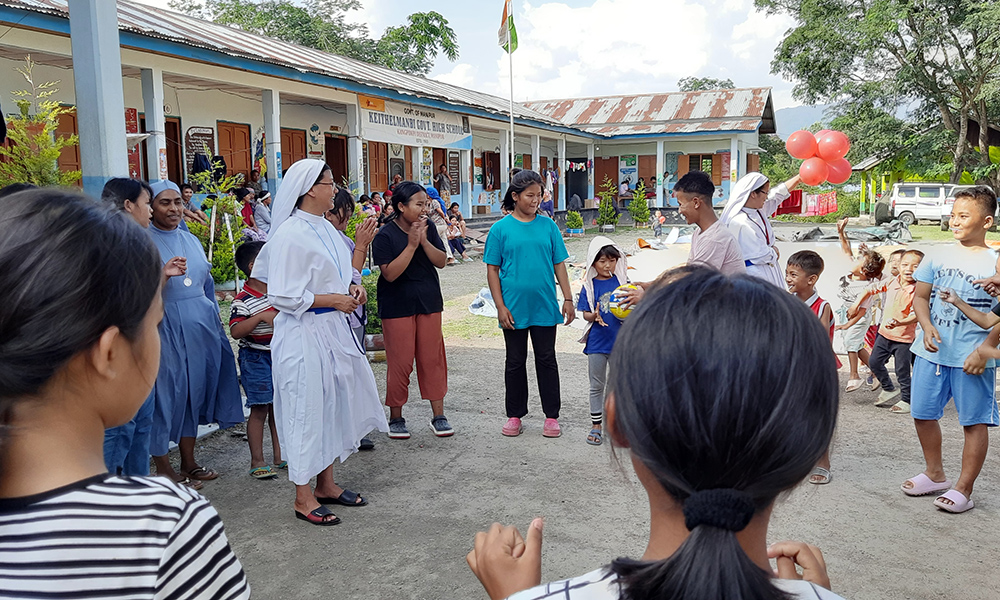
(318, 517)
(346, 498)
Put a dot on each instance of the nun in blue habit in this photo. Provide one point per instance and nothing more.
(197, 382)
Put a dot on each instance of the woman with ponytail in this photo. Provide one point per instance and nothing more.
(714, 444)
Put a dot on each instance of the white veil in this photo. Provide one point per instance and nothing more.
(740, 194)
(297, 180)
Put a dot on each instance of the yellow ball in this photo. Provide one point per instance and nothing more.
(617, 297)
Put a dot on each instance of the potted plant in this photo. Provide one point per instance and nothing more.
(607, 216)
(32, 156)
(215, 236)
(639, 207)
(374, 342)
(574, 224)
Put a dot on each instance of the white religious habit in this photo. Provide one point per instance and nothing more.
(325, 397)
(752, 228)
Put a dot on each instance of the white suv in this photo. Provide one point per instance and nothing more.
(911, 202)
(949, 200)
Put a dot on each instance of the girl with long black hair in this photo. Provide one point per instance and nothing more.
(714, 440)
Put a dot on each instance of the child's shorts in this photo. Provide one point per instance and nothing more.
(255, 375)
(854, 336)
(974, 394)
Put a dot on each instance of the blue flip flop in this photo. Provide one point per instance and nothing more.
(595, 433)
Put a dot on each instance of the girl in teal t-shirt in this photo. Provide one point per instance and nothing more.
(525, 256)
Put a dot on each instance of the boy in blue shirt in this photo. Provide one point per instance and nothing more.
(607, 271)
(946, 337)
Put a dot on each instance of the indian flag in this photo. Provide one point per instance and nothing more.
(507, 36)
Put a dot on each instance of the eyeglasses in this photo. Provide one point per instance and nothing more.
(327, 183)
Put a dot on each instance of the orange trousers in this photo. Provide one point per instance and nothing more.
(414, 338)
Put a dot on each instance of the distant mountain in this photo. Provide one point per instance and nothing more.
(797, 117)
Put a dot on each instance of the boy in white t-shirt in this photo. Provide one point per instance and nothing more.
(712, 244)
(946, 339)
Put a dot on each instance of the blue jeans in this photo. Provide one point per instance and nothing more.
(126, 447)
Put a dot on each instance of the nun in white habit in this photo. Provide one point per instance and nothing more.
(746, 215)
(325, 397)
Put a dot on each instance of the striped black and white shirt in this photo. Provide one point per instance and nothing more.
(602, 584)
(120, 538)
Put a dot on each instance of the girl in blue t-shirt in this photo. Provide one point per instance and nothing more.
(524, 256)
(607, 271)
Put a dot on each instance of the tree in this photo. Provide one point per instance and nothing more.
(323, 25)
(639, 207)
(606, 213)
(936, 60)
(32, 156)
(697, 84)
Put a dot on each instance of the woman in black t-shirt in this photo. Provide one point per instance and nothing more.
(408, 253)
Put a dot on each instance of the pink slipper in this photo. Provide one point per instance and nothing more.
(551, 428)
(925, 486)
(513, 428)
(960, 503)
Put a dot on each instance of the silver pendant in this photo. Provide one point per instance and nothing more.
(187, 282)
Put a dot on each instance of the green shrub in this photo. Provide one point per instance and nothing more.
(639, 207)
(606, 214)
(374, 322)
(574, 220)
(354, 221)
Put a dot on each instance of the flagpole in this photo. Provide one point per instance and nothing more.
(510, 62)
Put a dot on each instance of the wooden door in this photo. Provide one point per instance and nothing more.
(235, 148)
(293, 147)
(526, 161)
(605, 167)
(336, 157)
(408, 162)
(682, 167)
(753, 163)
(175, 155)
(69, 156)
(378, 166)
(491, 171)
(647, 169)
(717, 169)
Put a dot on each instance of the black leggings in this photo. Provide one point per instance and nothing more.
(543, 342)
(881, 351)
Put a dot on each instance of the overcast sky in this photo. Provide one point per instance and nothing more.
(579, 48)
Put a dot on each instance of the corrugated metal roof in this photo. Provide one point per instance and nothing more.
(168, 25)
(743, 109)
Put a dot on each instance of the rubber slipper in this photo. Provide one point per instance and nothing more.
(318, 517)
(263, 473)
(900, 408)
(925, 486)
(960, 502)
(346, 498)
(202, 474)
(188, 482)
(853, 384)
(596, 434)
(282, 465)
(826, 475)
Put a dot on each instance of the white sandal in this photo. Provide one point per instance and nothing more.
(854, 384)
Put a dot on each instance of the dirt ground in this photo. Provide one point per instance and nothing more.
(428, 496)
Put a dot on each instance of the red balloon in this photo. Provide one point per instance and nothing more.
(839, 171)
(821, 133)
(801, 145)
(813, 171)
(833, 145)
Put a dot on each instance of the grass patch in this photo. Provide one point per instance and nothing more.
(470, 326)
(933, 233)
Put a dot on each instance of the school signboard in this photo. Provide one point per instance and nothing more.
(394, 123)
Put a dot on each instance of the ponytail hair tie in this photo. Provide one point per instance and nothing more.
(727, 509)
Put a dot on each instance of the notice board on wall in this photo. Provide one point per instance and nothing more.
(454, 172)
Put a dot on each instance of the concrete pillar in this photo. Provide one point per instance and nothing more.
(660, 168)
(156, 143)
(735, 160)
(504, 163)
(561, 161)
(100, 101)
(272, 138)
(590, 170)
(465, 181)
(418, 166)
(355, 152)
(536, 154)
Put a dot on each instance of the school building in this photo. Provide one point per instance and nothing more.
(196, 87)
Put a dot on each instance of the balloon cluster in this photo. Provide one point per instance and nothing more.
(822, 155)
